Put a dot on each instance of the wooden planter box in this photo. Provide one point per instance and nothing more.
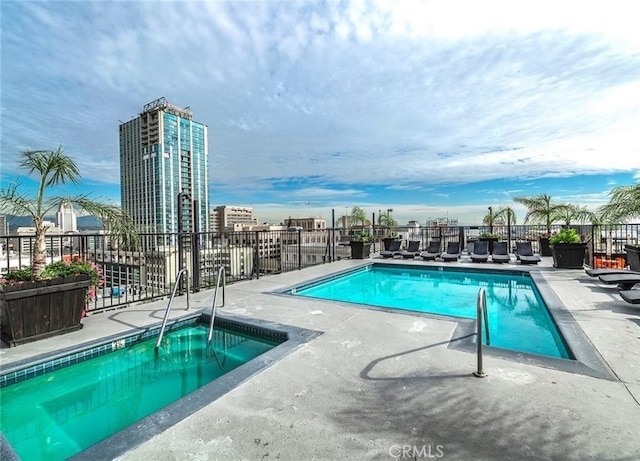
(360, 250)
(633, 257)
(37, 310)
(568, 255)
(545, 247)
(387, 242)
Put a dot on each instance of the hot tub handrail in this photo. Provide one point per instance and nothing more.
(181, 273)
(221, 277)
(481, 319)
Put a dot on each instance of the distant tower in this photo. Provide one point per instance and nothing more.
(66, 218)
(164, 153)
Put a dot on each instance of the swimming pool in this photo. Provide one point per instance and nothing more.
(518, 317)
(56, 409)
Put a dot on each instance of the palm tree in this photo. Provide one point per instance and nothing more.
(489, 220)
(505, 214)
(499, 217)
(387, 221)
(568, 213)
(358, 216)
(540, 209)
(56, 168)
(624, 204)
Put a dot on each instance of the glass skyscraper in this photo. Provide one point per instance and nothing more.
(164, 169)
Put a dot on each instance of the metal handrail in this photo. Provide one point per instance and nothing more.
(182, 272)
(221, 276)
(481, 318)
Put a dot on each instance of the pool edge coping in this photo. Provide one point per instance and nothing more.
(587, 359)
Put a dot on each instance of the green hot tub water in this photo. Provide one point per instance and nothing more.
(59, 414)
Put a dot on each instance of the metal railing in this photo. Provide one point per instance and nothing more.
(221, 279)
(181, 273)
(147, 273)
(481, 320)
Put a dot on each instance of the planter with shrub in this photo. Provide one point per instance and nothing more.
(361, 245)
(490, 238)
(40, 300)
(567, 250)
(52, 305)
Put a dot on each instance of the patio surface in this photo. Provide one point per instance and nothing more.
(383, 386)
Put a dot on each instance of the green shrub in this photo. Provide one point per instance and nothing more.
(58, 269)
(362, 236)
(487, 235)
(18, 275)
(566, 235)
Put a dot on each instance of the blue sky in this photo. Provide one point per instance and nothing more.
(428, 108)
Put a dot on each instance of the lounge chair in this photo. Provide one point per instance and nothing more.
(413, 249)
(624, 281)
(631, 296)
(525, 253)
(394, 249)
(500, 253)
(480, 252)
(605, 271)
(470, 246)
(452, 253)
(432, 251)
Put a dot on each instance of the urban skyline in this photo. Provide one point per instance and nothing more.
(429, 109)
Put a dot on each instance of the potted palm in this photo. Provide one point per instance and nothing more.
(387, 222)
(506, 215)
(361, 240)
(44, 300)
(361, 245)
(498, 218)
(541, 210)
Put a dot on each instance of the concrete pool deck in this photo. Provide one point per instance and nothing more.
(380, 385)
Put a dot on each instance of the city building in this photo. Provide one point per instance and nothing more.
(4, 228)
(307, 223)
(225, 217)
(164, 169)
(66, 218)
(27, 237)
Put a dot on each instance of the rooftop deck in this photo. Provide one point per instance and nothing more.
(379, 385)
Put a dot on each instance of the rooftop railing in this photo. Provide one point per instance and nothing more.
(135, 275)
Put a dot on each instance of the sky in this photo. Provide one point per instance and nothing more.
(431, 109)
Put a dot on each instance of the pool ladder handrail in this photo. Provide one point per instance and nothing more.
(481, 319)
(181, 273)
(221, 276)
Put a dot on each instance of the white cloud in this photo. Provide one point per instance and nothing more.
(405, 95)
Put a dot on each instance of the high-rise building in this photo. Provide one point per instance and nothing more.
(164, 169)
(66, 218)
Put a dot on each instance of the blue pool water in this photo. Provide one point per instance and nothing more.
(58, 414)
(518, 317)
